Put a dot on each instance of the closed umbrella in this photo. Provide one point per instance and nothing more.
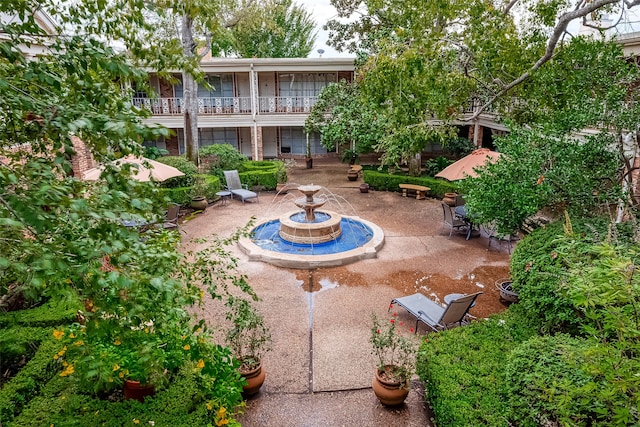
(144, 170)
(465, 167)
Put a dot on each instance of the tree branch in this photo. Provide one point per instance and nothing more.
(559, 29)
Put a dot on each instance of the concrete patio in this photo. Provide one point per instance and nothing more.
(320, 370)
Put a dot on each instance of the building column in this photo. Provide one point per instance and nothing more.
(256, 142)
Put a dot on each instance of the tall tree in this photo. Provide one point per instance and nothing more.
(343, 119)
(63, 238)
(274, 29)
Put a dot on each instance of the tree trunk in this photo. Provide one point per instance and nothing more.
(190, 94)
(414, 165)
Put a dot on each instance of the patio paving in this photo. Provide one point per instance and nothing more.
(320, 370)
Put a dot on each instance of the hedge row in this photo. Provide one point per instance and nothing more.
(463, 370)
(176, 406)
(385, 182)
(182, 195)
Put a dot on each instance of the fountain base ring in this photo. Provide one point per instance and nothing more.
(310, 233)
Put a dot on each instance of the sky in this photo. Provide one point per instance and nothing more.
(322, 11)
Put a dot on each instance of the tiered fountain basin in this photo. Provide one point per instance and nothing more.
(325, 228)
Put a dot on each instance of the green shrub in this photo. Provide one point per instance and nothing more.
(463, 370)
(387, 182)
(182, 195)
(183, 165)
(433, 166)
(27, 382)
(51, 313)
(181, 404)
(539, 267)
(547, 383)
(217, 158)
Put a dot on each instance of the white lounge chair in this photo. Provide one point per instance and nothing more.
(433, 314)
(237, 188)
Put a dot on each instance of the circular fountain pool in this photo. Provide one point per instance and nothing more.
(313, 238)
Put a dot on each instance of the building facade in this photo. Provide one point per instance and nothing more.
(257, 105)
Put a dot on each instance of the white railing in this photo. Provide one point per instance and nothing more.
(285, 104)
(230, 105)
(206, 106)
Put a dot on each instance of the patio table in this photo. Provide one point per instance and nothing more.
(463, 214)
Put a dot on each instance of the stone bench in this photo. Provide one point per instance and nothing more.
(420, 190)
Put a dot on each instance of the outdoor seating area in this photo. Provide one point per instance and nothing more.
(435, 316)
(419, 191)
(238, 189)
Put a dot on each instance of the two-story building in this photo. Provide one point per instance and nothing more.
(258, 105)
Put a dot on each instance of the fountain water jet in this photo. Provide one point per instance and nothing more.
(313, 238)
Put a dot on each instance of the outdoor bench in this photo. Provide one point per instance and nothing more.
(420, 190)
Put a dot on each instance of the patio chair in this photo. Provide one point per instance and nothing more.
(238, 189)
(433, 314)
(451, 221)
(171, 217)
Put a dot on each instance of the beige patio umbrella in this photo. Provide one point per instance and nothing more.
(465, 167)
(144, 170)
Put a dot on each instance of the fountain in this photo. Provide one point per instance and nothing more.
(310, 229)
(310, 237)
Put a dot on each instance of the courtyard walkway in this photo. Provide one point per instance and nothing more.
(320, 370)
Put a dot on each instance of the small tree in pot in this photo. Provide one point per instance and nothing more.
(249, 339)
(396, 354)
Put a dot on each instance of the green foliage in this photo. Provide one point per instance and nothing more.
(181, 404)
(28, 381)
(547, 382)
(183, 165)
(54, 312)
(154, 153)
(540, 169)
(463, 370)
(385, 181)
(343, 119)
(217, 158)
(539, 270)
(248, 337)
(433, 166)
(274, 29)
(349, 156)
(395, 350)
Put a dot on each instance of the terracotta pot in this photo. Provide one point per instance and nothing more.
(450, 198)
(255, 379)
(352, 175)
(199, 203)
(364, 188)
(390, 393)
(309, 161)
(137, 391)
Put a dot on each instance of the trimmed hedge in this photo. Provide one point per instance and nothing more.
(383, 181)
(463, 370)
(182, 195)
(51, 313)
(58, 404)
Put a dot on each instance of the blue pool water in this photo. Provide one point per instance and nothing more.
(354, 234)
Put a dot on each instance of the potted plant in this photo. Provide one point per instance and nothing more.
(349, 156)
(199, 194)
(396, 357)
(249, 339)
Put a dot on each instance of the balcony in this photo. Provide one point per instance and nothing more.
(229, 105)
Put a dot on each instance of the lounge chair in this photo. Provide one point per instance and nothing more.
(238, 189)
(433, 314)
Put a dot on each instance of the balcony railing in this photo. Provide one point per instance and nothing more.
(229, 105)
(285, 104)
